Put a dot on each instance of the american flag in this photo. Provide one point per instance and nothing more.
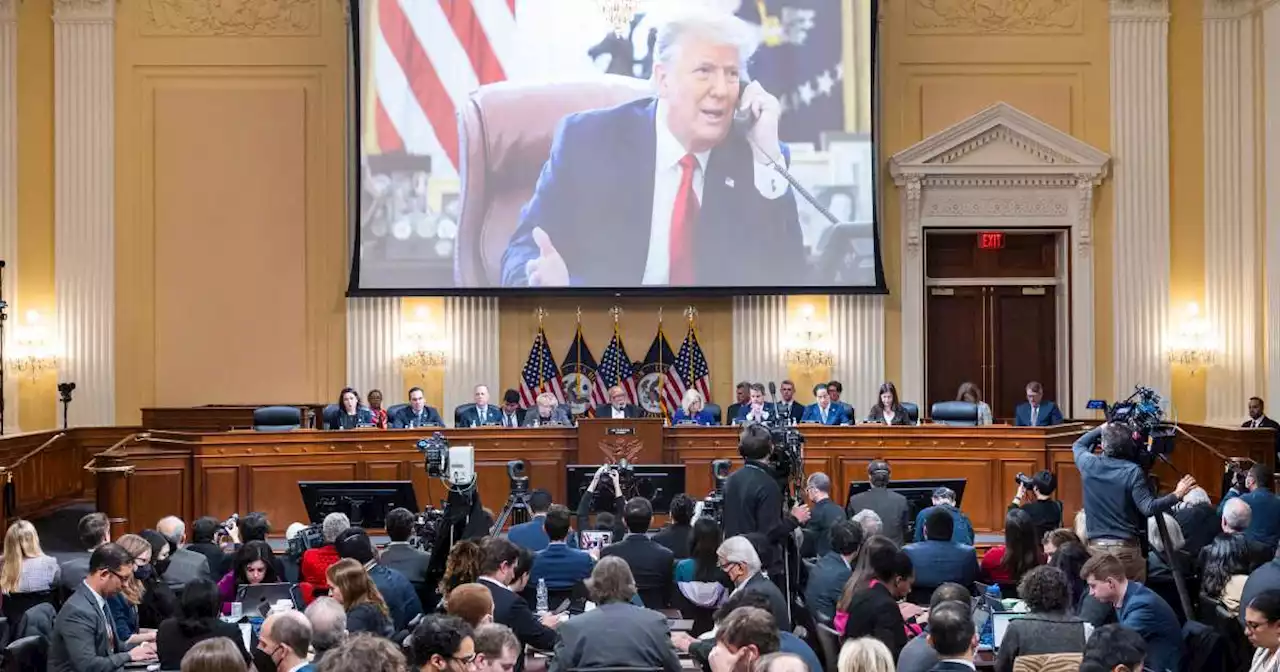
(427, 57)
(616, 367)
(540, 373)
(690, 369)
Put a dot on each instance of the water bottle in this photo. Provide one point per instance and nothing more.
(542, 596)
(987, 638)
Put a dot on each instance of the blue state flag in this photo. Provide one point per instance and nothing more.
(579, 377)
(658, 391)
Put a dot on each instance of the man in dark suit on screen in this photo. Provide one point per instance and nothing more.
(650, 192)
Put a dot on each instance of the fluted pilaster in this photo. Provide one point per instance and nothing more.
(472, 325)
(759, 325)
(857, 334)
(1140, 147)
(9, 192)
(84, 168)
(373, 334)
(1230, 212)
(1271, 156)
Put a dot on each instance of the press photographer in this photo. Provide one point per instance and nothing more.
(1035, 496)
(1117, 496)
(1254, 488)
(610, 475)
(753, 498)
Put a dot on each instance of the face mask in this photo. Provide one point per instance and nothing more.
(161, 566)
(262, 661)
(143, 573)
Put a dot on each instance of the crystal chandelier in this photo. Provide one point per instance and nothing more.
(422, 348)
(1193, 345)
(619, 14)
(808, 348)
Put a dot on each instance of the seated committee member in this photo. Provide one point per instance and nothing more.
(788, 407)
(824, 412)
(1037, 412)
(618, 408)
(970, 393)
(548, 412)
(350, 413)
(417, 413)
(512, 415)
(693, 179)
(482, 413)
(756, 410)
(691, 411)
(889, 411)
(375, 408)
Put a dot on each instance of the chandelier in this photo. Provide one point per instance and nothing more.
(34, 353)
(1193, 345)
(619, 14)
(421, 347)
(808, 348)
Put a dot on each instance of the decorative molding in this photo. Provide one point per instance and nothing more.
(857, 343)
(9, 195)
(973, 17)
(1229, 9)
(218, 18)
(1140, 229)
(1004, 163)
(84, 11)
(759, 329)
(373, 334)
(84, 205)
(471, 323)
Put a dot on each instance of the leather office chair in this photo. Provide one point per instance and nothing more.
(913, 411)
(276, 419)
(505, 133)
(457, 413)
(29, 654)
(959, 413)
(714, 410)
(15, 605)
(328, 416)
(392, 410)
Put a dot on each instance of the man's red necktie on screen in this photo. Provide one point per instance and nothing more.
(684, 218)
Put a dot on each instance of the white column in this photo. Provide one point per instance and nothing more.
(1140, 147)
(373, 334)
(84, 204)
(759, 325)
(472, 326)
(1271, 151)
(1230, 212)
(857, 335)
(9, 195)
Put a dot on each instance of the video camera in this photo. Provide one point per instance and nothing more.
(456, 465)
(426, 528)
(713, 506)
(1142, 413)
(311, 536)
(787, 455)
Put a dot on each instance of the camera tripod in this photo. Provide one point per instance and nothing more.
(516, 508)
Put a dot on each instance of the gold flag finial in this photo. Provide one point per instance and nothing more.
(691, 312)
(541, 313)
(616, 312)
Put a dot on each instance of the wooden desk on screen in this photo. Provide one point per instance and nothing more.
(195, 474)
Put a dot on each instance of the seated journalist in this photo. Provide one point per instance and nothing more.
(647, 193)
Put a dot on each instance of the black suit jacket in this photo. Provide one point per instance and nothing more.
(753, 503)
(796, 409)
(892, 507)
(471, 416)
(583, 178)
(677, 538)
(405, 417)
(826, 583)
(502, 420)
(1269, 424)
(511, 610)
(172, 643)
(817, 532)
(408, 561)
(606, 411)
(874, 613)
(758, 583)
(652, 565)
(731, 413)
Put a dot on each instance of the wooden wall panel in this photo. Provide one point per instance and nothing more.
(218, 488)
(267, 485)
(145, 507)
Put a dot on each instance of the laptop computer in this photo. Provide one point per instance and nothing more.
(1000, 621)
(256, 599)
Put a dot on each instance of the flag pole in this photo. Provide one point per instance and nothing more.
(577, 354)
(691, 313)
(616, 312)
(543, 338)
(662, 372)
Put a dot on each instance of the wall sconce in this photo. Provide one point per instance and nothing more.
(422, 348)
(619, 14)
(33, 352)
(1193, 344)
(807, 346)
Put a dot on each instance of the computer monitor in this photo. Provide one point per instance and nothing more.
(365, 503)
(657, 483)
(919, 492)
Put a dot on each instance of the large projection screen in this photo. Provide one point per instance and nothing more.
(527, 145)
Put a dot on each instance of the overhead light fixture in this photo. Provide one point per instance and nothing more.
(422, 348)
(619, 14)
(807, 346)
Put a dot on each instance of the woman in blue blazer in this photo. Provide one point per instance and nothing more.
(691, 410)
(350, 413)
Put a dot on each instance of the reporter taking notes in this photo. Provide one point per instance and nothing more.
(667, 190)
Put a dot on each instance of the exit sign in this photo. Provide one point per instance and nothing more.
(991, 240)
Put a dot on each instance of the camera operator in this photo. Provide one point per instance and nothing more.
(1045, 511)
(1265, 525)
(1117, 496)
(607, 473)
(753, 497)
(464, 518)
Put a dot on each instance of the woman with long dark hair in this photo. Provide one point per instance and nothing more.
(1226, 568)
(196, 621)
(351, 414)
(1020, 553)
(873, 607)
(861, 570)
(251, 565)
(699, 580)
(158, 601)
(889, 410)
(367, 611)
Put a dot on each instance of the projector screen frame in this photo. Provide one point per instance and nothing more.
(354, 290)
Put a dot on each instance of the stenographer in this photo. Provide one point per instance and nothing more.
(1117, 498)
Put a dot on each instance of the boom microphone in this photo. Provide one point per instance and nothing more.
(773, 389)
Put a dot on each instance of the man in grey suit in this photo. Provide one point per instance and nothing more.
(892, 507)
(828, 576)
(83, 640)
(399, 555)
(94, 530)
(637, 637)
(185, 565)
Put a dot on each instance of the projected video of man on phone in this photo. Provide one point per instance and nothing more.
(669, 171)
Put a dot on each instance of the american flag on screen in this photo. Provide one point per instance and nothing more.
(427, 57)
(540, 373)
(616, 367)
(690, 369)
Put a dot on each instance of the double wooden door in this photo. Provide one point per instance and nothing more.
(999, 337)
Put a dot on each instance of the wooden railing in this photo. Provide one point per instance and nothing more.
(42, 471)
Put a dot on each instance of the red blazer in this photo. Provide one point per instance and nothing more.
(315, 562)
(993, 570)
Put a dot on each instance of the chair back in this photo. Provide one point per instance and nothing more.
(959, 413)
(393, 409)
(329, 416)
(505, 134)
(29, 654)
(276, 418)
(714, 410)
(1048, 662)
(14, 605)
(829, 642)
(457, 413)
(913, 411)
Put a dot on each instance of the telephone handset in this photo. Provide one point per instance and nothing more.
(743, 120)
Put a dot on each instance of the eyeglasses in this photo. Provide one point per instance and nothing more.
(465, 660)
(118, 575)
(1254, 625)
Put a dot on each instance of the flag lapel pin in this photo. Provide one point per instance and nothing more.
(728, 182)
